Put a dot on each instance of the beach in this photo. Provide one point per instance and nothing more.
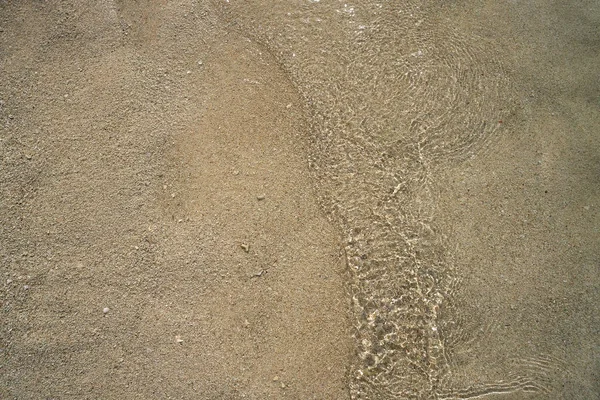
(299, 200)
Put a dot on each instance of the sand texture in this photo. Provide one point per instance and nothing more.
(230, 199)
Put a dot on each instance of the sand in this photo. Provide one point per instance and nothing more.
(160, 234)
(250, 200)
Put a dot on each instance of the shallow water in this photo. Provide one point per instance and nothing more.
(405, 98)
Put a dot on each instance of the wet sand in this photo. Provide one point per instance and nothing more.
(306, 200)
(154, 165)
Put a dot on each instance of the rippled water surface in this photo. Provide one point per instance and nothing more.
(399, 93)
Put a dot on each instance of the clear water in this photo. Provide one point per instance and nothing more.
(401, 94)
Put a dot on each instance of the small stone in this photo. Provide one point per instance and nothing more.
(200, 62)
(105, 310)
(282, 385)
(258, 274)
(261, 197)
(275, 378)
(178, 339)
(26, 287)
(245, 246)
(9, 281)
(188, 72)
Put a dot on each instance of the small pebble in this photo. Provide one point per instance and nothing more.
(245, 247)
(26, 287)
(105, 310)
(260, 197)
(178, 339)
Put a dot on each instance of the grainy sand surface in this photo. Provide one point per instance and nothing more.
(154, 164)
(299, 200)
